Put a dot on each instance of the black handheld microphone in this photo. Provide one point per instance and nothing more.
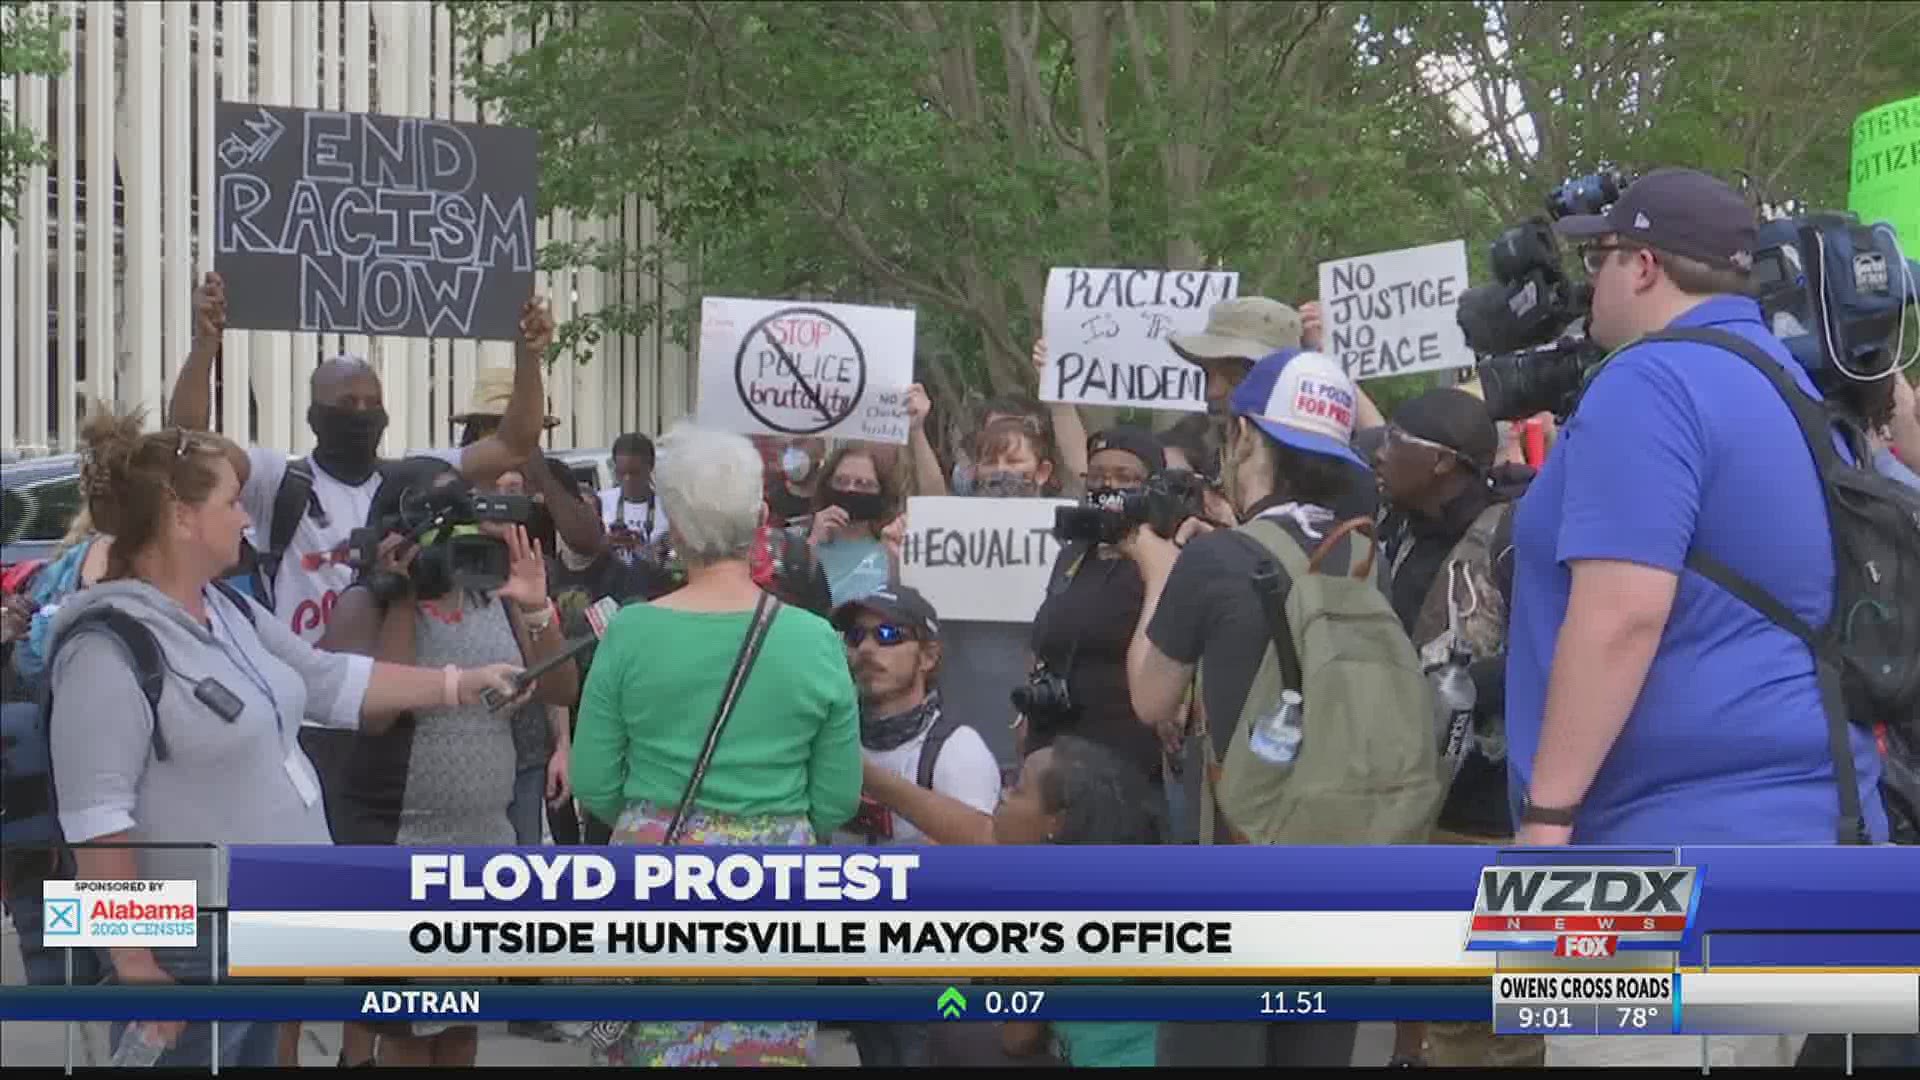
(598, 616)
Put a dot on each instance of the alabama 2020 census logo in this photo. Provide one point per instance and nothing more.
(154, 914)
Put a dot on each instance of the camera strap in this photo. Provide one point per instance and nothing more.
(763, 615)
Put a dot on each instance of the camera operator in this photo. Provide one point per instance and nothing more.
(1627, 674)
(1083, 627)
(1288, 449)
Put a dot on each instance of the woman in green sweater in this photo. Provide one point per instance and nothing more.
(787, 766)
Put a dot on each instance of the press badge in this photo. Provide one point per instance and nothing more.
(305, 780)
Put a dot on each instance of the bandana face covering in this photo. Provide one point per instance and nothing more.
(1006, 485)
(892, 732)
(347, 441)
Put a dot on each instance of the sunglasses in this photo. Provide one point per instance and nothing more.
(885, 635)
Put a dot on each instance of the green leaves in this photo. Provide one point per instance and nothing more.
(29, 45)
(945, 155)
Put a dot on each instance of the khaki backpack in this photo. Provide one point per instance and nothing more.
(1368, 770)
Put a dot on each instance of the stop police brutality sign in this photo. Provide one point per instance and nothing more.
(794, 368)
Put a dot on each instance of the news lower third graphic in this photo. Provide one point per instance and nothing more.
(90, 914)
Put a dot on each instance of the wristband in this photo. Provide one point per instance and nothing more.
(538, 623)
(450, 687)
(1532, 814)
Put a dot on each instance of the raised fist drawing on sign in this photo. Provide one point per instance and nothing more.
(1158, 325)
(1101, 326)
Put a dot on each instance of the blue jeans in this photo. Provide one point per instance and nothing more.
(243, 1043)
(48, 966)
(529, 807)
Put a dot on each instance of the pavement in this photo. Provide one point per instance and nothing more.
(46, 1044)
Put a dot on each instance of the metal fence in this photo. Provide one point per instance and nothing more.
(113, 321)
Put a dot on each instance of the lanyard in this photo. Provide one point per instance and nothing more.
(222, 635)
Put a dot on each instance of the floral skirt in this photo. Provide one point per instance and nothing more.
(710, 1042)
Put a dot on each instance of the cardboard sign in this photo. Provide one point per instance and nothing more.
(1394, 312)
(980, 560)
(778, 367)
(1107, 331)
(1886, 170)
(365, 224)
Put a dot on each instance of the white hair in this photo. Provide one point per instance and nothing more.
(714, 489)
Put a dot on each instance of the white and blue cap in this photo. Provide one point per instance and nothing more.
(1303, 399)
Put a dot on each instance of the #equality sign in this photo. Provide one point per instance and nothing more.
(783, 367)
(980, 560)
(368, 224)
(1107, 331)
(1394, 312)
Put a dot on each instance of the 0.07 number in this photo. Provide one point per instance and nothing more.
(1297, 1003)
(1014, 1003)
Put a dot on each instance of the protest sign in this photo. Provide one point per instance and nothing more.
(1394, 312)
(1886, 170)
(854, 568)
(1107, 331)
(782, 367)
(980, 560)
(366, 224)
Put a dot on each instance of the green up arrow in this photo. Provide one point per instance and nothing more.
(952, 1003)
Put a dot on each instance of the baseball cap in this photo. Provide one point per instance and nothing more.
(1455, 419)
(1684, 211)
(899, 604)
(1243, 328)
(1303, 399)
(1139, 442)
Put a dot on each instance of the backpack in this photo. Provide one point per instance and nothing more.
(1867, 656)
(1466, 600)
(29, 813)
(1369, 769)
(937, 736)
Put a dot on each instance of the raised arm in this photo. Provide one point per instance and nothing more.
(518, 436)
(1069, 432)
(192, 405)
(927, 477)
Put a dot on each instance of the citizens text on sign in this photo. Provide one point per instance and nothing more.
(1107, 331)
(980, 560)
(1395, 312)
(366, 224)
(792, 368)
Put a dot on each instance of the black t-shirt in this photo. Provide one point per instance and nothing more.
(1082, 631)
(574, 591)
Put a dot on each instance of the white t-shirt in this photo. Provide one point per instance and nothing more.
(965, 771)
(612, 506)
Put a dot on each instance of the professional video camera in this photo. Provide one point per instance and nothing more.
(444, 522)
(1108, 516)
(1835, 291)
(1530, 324)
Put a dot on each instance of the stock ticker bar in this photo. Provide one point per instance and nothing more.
(1275, 1002)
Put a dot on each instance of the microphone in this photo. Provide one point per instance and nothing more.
(599, 616)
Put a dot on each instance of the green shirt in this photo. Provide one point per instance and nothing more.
(791, 748)
(1102, 1044)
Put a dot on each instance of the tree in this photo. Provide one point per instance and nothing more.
(30, 44)
(945, 155)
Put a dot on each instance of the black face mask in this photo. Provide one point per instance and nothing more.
(347, 441)
(860, 505)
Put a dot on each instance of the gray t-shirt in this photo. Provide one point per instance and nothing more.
(239, 781)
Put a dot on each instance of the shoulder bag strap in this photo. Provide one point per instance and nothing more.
(763, 615)
(1816, 427)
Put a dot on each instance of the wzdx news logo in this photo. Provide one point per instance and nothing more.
(154, 914)
(1584, 912)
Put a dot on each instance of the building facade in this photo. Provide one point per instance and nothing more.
(87, 321)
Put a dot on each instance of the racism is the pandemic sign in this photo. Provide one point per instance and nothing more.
(340, 222)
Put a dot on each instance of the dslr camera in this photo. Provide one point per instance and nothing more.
(453, 554)
(1045, 700)
(1108, 516)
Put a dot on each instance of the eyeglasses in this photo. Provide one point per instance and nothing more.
(885, 635)
(1594, 256)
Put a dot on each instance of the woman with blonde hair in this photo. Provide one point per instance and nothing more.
(149, 787)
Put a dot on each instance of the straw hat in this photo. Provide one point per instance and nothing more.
(492, 389)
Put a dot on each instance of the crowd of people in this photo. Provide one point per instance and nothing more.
(769, 679)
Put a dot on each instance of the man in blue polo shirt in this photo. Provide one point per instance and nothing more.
(1645, 704)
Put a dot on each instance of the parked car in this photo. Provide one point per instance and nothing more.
(38, 500)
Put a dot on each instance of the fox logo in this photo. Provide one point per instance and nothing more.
(1584, 946)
